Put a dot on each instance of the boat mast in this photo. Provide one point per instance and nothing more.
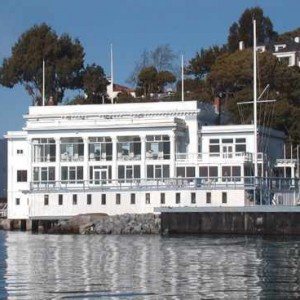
(255, 99)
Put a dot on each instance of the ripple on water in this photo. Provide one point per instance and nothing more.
(147, 267)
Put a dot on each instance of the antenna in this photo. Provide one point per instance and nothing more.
(43, 83)
(112, 73)
(182, 79)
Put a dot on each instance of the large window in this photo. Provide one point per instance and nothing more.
(22, 176)
(43, 174)
(44, 150)
(231, 173)
(186, 172)
(158, 171)
(129, 148)
(71, 149)
(208, 172)
(158, 147)
(100, 148)
(72, 174)
(129, 173)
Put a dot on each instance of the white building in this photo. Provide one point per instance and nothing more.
(130, 158)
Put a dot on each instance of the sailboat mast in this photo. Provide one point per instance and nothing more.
(255, 98)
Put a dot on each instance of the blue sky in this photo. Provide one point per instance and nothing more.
(131, 26)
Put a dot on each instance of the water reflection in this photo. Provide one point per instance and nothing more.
(147, 267)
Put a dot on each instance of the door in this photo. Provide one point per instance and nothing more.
(100, 176)
(227, 151)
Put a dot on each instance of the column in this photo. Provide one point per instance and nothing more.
(114, 171)
(85, 159)
(143, 157)
(57, 160)
(172, 154)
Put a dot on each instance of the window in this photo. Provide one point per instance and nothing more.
(177, 198)
(210, 172)
(147, 198)
(208, 197)
(129, 148)
(162, 198)
(118, 199)
(46, 199)
(60, 199)
(231, 173)
(158, 171)
(72, 174)
(74, 199)
(19, 151)
(89, 199)
(193, 198)
(103, 199)
(157, 147)
(44, 174)
(72, 149)
(17, 201)
(224, 197)
(186, 172)
(44, 150)
(214, 147)
(100, 148)
(22, 176)
(240, 145)
(128, 173)
(132, 198)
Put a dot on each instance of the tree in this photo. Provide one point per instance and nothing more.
(288, 36)
(161, 58)
(152, 81)
(233, 75)
(63, 58)
(147, 80)
(201, 64)
(94, 84)
(243, 30)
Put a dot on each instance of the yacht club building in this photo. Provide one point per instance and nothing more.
(131, 158)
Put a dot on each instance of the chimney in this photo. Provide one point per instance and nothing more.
(297, 39)
(217, 103)
(241, 45)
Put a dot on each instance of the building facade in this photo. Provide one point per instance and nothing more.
(130, 158)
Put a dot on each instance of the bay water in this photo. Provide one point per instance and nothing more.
(41, 266)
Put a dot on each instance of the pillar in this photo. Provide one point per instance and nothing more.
(143, 158)
(172, 154)
(114, 170)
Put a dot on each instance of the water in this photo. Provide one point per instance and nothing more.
(148, 267)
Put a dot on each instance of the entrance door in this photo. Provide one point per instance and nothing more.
(100, 176)
(227, 151)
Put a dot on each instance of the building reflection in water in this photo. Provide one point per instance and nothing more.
(189, 267)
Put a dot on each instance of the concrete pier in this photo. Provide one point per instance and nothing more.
(265, 220)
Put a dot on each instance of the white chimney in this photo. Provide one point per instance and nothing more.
(241, 45)
(297, 39)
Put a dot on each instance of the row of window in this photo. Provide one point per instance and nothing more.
(132, 198)
(74, 173)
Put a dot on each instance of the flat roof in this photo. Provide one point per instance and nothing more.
(233, 209)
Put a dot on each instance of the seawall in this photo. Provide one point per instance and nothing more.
(253, 220)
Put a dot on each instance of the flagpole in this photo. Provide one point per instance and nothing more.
(182, 79)
(112, 73)
(43, 82)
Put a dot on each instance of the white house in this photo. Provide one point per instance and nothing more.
(130, 158)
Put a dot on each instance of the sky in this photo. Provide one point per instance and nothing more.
(131, 26)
